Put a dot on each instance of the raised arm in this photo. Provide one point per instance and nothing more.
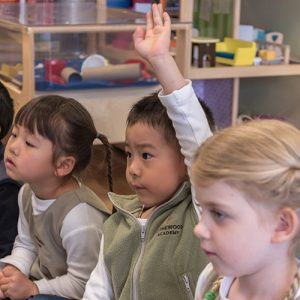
(178, 96)
(153, 44)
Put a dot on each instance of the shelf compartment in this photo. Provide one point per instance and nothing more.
(221, 71)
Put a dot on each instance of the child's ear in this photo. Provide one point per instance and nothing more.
(287, 225)
(64, 165)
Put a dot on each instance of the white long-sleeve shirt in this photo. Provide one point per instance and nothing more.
(81, 234)
(192, 129)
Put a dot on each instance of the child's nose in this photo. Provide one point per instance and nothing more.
(13, 147)
(134, 168)
(201, 231)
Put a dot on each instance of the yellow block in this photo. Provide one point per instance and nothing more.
(267, 54)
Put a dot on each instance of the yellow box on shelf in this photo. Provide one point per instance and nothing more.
(267, 54)
(235, 52)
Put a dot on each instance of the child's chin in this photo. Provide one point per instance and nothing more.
(222, 271)
(12, 175)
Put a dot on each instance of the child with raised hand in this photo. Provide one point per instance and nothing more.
(247, 182)
(9, 189)
(61, 219)
(148, 250)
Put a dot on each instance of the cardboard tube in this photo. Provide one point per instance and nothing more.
(113, 72)
(70, 75)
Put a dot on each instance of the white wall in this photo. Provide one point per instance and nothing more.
(274, 95)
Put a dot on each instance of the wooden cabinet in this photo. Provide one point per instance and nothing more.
(38, 41)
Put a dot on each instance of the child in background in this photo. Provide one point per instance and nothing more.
(9, 210)
(61, 220)
(148, 250)
(247, 182)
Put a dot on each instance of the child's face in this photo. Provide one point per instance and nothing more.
(155, 169)
(232, 232)
(28, 157)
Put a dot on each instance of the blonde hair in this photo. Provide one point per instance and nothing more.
(260, 158)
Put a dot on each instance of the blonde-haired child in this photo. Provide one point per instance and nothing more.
(247, 181)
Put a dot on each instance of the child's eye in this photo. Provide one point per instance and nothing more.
(217, 214)
(146, 155)
(128, 154)
(29, 144)
(14, 135)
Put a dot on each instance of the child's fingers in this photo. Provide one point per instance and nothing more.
(4, 284)
(2, 296)
(9, 271)
(4, 288)
(166, 19)
(4, 281)
(157, 16)
(149, 21)
(10, 268)
(160, 10)
(138, 35)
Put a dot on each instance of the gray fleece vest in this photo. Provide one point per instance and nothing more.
(162, 261)
(45, 229)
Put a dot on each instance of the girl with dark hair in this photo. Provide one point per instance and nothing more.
(61, 219)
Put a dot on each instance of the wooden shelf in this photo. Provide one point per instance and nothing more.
(222, 71)
(109, 107)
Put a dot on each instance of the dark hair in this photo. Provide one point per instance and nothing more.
(67, 124)
(150, 111)
(6, 111)
(209, 115)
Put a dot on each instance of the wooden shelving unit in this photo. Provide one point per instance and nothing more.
(105, 103)
(235, 73)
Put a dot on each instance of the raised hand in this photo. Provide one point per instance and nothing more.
(155, 40)
(153, 45)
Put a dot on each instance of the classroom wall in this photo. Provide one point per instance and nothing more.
(278, 96)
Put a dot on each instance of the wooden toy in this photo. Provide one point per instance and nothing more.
(203, 51)
(274, 38)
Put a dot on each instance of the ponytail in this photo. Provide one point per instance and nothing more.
(108, 158)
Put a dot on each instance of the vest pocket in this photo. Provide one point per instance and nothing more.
(188, 286)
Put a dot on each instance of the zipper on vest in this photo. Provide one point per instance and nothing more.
(138, 264)
(186, 282)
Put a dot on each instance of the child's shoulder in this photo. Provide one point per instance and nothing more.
(87, 209)
(85, 195)
(205, 281)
